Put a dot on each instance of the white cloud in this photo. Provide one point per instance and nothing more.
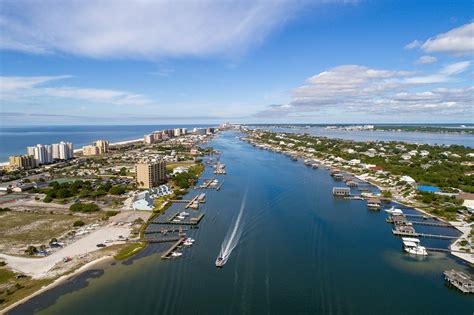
(425, 59)
(31, 88)
(455, 68)
(456, 42)
(140, 29)
(414, 44)
(8, 84)
(358, 89)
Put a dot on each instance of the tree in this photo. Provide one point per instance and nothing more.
(123, 171)
(117, 190)
(31, 250)
(78, 223)
(84, 207)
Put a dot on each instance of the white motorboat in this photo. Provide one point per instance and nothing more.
(412, 246)
(394, 211)
(176, 254)
(220, 262)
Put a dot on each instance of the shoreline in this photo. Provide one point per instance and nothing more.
(114, 144)
(57, 282)
(463, 233)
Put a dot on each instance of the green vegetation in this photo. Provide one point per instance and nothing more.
(111, 213)
(424, 129)
(117, 190)
(187, 179)
(84, 207)
(129, 250)
(442, 166)
(14, 286)
(78, 223)
(79, 189)
(5, 209)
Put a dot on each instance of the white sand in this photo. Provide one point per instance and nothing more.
(39, 267)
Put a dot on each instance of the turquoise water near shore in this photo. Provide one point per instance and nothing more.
(301, 252)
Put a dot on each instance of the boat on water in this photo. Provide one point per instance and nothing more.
(220, 262)
(394, 211)
(412, 246)
(176, 254)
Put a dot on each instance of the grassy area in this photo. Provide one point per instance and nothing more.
(171, 166)
(13, 289)
(21, 228)
(130, 250)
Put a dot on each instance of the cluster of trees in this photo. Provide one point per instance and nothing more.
(81, 189)
(84, 207)
(4, 209)
(186, 179)
(436, 169)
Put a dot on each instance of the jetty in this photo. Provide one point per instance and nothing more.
(459, 280)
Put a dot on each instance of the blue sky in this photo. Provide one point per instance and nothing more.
(124, 62)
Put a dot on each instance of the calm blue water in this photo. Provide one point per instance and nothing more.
(14, 140)
(301, 252)
(404, 136)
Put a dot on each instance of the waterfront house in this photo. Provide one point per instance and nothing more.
(341, 191)
(143, 201)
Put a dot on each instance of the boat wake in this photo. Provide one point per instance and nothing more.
(232, 238)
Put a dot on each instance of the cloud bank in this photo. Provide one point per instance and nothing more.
(457, 42)
(30, 88)
(140, 29)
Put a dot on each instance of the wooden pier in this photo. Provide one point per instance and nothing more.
(432, 224)
(165, 231)
(191, 202)
(162, 240)
(173, 223)
(443, 237)
(444, 250)
(167, 254)
(192, 221)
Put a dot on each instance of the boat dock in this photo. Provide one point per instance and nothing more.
(167, 254)
(401, 220)
(459, 280)
(415, 234)
(165, 231)
(162, 240)
(219, 187)
(194, 203)
(444, 250)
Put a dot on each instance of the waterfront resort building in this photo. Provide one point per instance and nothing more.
(43, 154)
(22, 161)
(150, 173)
(90, 150)
(103, 146)
(99, 147)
